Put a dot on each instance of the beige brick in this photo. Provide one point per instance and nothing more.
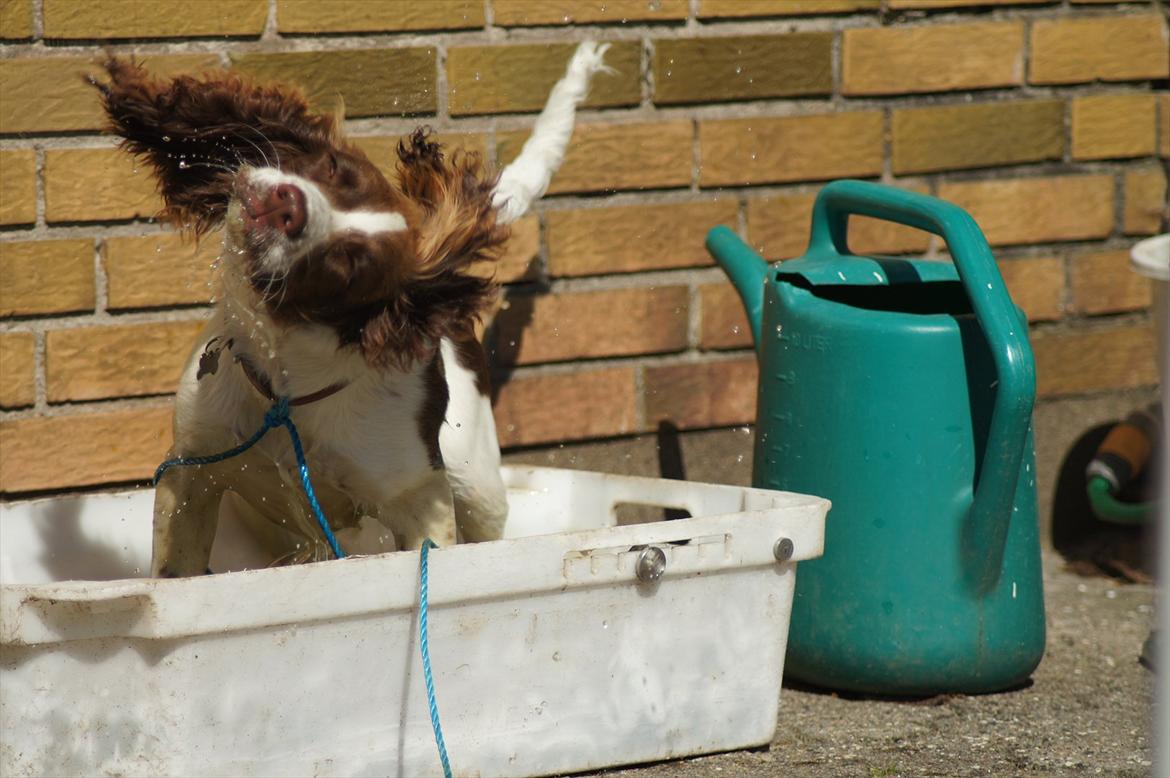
(798, 148)
(315, 17)
(603, 157)
(1037, 210)
(1106, 126)
(778, 227)
(897, 60)
(1164, 125)
(709, 394)
(83, 449)
(1104, 48)
(1145, 201)
(382, 149)
(526, 13)
(371, 82)
(1102, 282)
(1076, 362)
(628, 239)
(18, 187)
(717, 9)
(93, 363)
(581, 325)
(520, 258)
(154, 18)
(16, 19)
(568, 406)
(1035, 284)
(47, 276)
(937, 4)
(17, 370)
(507, 79)
(97, 184)
(159, 270)
(956, 137)
(709, 69)
(724, 323)
(47, 94)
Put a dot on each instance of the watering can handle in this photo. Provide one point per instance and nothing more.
(1006, 334)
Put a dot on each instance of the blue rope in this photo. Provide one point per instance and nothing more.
(424, 648)
(277, 416)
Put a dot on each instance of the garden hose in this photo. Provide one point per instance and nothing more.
(1121, 458)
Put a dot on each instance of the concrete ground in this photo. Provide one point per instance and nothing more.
(1086, 712)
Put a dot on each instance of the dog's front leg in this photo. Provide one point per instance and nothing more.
(428, 511)
(186, 512)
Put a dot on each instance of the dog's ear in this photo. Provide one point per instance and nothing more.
(456, 229)
(195, 132)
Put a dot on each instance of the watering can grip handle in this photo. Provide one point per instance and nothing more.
(1006, 334)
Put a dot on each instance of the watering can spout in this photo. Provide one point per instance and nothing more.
(747, 270)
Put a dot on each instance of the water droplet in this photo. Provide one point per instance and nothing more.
(605, 625)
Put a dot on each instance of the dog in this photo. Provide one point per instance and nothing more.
(353, 297)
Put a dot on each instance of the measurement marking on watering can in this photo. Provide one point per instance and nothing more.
(787, 376)
(806, 342)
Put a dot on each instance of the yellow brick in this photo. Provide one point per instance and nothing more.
(1037, 210)
(579, 325)
(1145, 201)
(1035, 284)
(1106, 126)
(92, 363)
(523, 13)
(159, 270)
(16, 19)
(956, 137)
(710, 69)
(724, 323)
(778, 228)
(18, 187)
(710, 394)
(626, 156)
(75, 450)
(1102, 282)
(712, 9)
(47, 276)
(937, 4)
(520, 258)
(568, 406)
(505, 79)
(97, 184)
(628, 239)
(894, 60)
(799, 148)
(17, 367)
(383, 149)
(371, 82)
(153, 18)
(1164, 125)
(1077, 362)
(1105, 48)
(316, 17)
(47, 94)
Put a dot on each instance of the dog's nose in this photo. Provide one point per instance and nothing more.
(282, 210)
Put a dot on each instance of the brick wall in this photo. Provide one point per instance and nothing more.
(1048, 120)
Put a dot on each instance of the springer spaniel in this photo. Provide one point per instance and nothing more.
(351, 295)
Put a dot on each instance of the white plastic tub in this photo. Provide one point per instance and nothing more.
(549, 655)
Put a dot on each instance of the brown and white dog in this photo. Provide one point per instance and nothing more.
(351, 295)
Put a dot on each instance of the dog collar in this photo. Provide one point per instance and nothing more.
(264, 386)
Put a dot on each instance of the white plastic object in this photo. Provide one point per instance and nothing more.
(549, 654)
(1151, 258)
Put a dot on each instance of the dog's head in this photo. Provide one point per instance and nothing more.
(313, 227)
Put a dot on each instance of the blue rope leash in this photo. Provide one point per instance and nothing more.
(424, 648)
(277, 416)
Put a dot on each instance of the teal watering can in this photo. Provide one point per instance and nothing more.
(902, 391)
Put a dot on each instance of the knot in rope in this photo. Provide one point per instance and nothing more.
(277, 415)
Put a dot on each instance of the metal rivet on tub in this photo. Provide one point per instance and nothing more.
(651, 564)
(783, 549)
